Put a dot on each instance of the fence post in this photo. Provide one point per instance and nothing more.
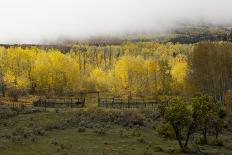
(98, 98)
(144, 103)
(71, 103)
(45, 104)
(136, 102)
(128, 103)
(83, 104)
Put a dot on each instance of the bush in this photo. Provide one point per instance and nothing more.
(217, 142)
(18, 135)
(166, 130)
(221, 113)
(161, 109)
(82, 123)
(55, 142)
(136, 133)
(39, 131)
(34, 139)
(200, 141)
(132, 118)
(141, 140)
(17, 139)
(57, 110)
(81, 129)
(158, 149)
(128, 118)
(149, 114)
(171, 150)
(195, 149)
(100, 131)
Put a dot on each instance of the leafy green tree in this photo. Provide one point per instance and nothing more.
(178, 115)
(217, 126)
(205, 112)
(201, 113)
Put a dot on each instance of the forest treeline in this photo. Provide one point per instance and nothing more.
(142, 69)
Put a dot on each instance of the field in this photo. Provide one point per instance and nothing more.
(115, 77)
(135, 98)
(92, 131)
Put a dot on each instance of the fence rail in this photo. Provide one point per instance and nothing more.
(118, 103)
(60, 103)
(111, 103)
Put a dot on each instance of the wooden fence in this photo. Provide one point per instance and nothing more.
(118, 103)
(60, 103)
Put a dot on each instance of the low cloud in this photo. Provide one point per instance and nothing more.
(37, 21)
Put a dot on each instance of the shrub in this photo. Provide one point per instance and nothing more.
(17, 139)
(100, 131)
(132, 118)
(195, 149)
(57, 110)
(149, 114)
(136, 133)
(217, 142)
(157, 149)
(166, 130)
(18, 135)
(82, 123)
(200, 141)
(162, 108)
(55, 142)
(221, 113)
(81, 129)
(39, 131)
(141, 140)
(34, 139)
(171, 150)
(121, 133)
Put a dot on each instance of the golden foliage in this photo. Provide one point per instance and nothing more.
(127, 69)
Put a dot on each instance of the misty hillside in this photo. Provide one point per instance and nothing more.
(184, 35)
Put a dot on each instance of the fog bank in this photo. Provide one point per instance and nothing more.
(38, 21)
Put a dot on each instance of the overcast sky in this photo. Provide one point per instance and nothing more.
(34, 21)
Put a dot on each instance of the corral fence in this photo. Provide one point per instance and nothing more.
(21, 105)
(119, 103)
(60, 103)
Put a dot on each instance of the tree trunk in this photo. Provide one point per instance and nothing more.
(3, 90)
(177, 133)
(205, 134)
(187, 138)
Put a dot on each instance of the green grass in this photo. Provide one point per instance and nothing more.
(90, 143)
(117, 139)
